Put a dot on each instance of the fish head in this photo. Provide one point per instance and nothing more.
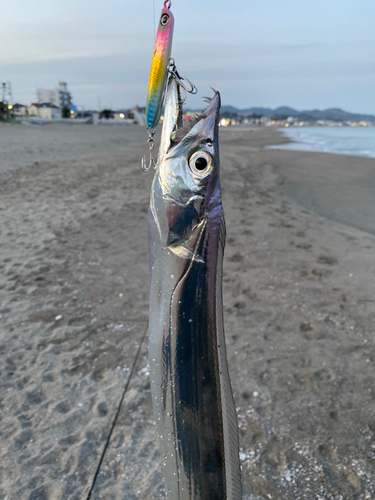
(186, 187)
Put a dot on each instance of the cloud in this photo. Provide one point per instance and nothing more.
(305, 54)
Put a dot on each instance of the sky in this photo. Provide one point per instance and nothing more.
(307, 54)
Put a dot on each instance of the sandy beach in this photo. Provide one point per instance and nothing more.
(299, 301)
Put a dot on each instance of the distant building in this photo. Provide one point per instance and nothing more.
(32, 110)
(48, 111)
(265, 120)
(86, 115)
(46, 95)
(59, 97)
(139, 115)
(18, 110)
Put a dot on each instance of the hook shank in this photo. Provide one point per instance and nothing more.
(151, 144)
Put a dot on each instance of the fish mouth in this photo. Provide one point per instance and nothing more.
(175, 129)
(181, 131)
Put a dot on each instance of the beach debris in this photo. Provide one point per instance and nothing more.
(326, 259)
(306, 327)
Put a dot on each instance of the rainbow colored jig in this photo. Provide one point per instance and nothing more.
(159, 66)
(162, 63)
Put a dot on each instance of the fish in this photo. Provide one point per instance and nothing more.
(172, 118)
(191, 391)
(159, 67)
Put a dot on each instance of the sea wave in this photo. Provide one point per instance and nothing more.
(357, 141)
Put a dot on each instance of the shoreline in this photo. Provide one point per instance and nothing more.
(298, 301)
(330, 197)
(304, 146)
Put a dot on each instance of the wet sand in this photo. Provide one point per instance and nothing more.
(299, 316)
(22, 145)
(338, 187)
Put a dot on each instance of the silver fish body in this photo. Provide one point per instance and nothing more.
(192, 396)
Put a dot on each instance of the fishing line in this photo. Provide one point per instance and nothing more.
(154, 20)
(117, 413)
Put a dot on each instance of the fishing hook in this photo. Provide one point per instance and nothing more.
(151, 143)
(173, 71)
(186, 85)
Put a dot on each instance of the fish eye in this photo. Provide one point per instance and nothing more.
(201, 163)
(164, 20)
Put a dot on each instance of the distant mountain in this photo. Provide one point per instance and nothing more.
(338, 114)
(285, 110)
(282, 110)
(334, 114)
(248, 111)
(232, 109)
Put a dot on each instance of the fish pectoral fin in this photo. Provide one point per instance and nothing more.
(185, 253)
(188, 249)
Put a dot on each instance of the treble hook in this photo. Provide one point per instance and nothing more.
(192, 90)
(173, 71)
(151, 143)
(146, 168)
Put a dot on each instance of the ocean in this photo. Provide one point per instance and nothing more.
(358, 141)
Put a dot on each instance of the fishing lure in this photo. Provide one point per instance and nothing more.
(190, 385)
(159, 66)
(158, 77)
(162, 63)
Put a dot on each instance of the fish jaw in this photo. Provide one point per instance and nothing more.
(182, 197)
(172, 117)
